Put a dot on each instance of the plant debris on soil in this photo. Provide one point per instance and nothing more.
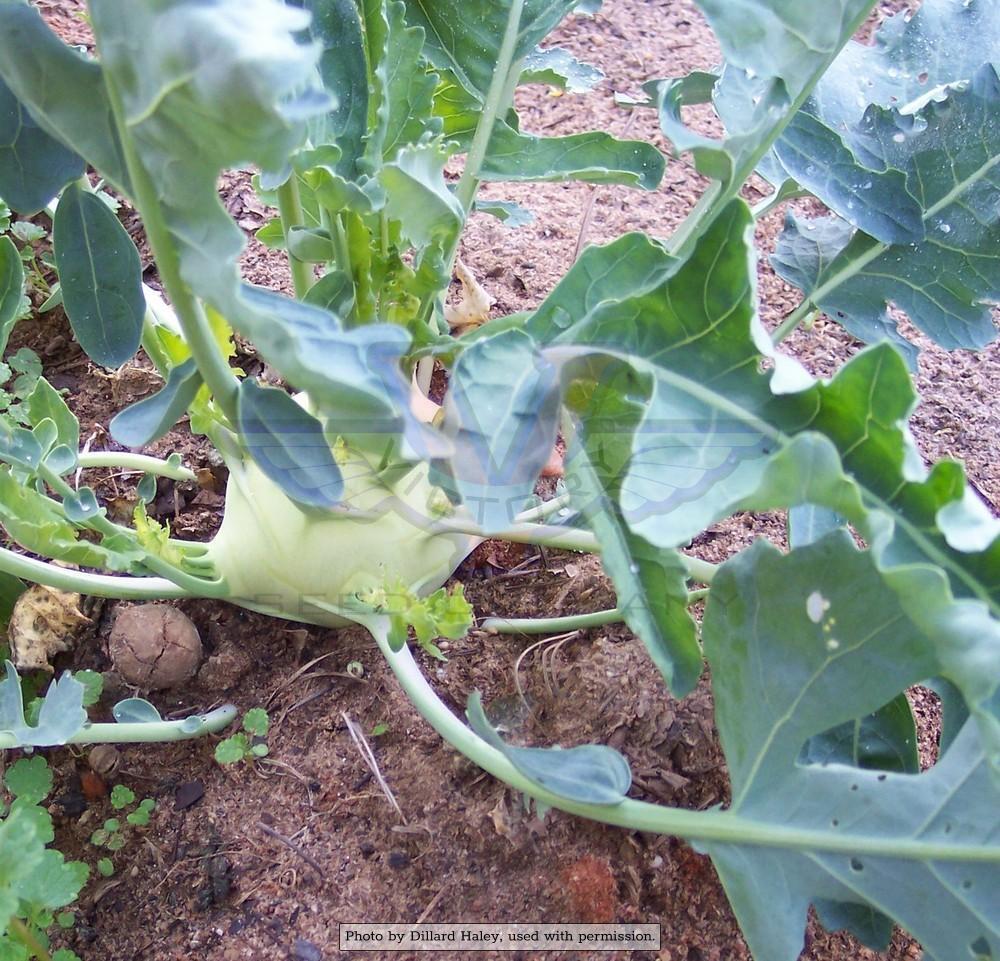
(264, 860)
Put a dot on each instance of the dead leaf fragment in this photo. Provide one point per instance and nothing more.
(473, 310)
(44, 623)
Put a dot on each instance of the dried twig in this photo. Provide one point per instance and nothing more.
(293, 847)
(369, 758)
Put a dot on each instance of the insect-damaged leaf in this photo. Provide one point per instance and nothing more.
(835, 623)
(511, 155)
(289, 446)
(921, 100)
(720, 434)
(773, 52)
(100, 275)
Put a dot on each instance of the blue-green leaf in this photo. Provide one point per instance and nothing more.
(46, 402)
(501, 414)
(34, 167)
(509, 213)
(809, 522)
(62, 89)
(464, 37)
(135, 710)
(559, 68)
(149, 419)
(100, 276)
(650, 583)
(61, 716)
(336, 26)
(595, 157)
(848, 636)
(289, 446)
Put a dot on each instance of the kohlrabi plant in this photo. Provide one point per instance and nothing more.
(354, 498)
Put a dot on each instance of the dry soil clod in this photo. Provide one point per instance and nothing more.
(154, 646)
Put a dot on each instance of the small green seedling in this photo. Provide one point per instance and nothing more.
(248, 744)
(112, 835)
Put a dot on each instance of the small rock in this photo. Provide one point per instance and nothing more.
(154, 646)
(187, 794)
(398, 860)
(304, 950)
(104, 759)
(367, 848)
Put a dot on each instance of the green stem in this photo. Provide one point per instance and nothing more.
(683, 239)
(551, 625)
(212, 364)
(135, 462)
(723, 827)
(768, 204)
(563, 538)
(698, 570)
(145, 732)
(694, 221)
(94, 585)
(290, 212)
(547, 535)
(542, 511)
(24, 934)
(340, 245)
(803, 314)
(496, 100)
(571, 622)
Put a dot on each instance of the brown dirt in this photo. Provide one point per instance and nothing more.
(212, 880)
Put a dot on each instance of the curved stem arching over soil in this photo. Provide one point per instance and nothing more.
(719, 826)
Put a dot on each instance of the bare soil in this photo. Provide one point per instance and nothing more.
(269, 858)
